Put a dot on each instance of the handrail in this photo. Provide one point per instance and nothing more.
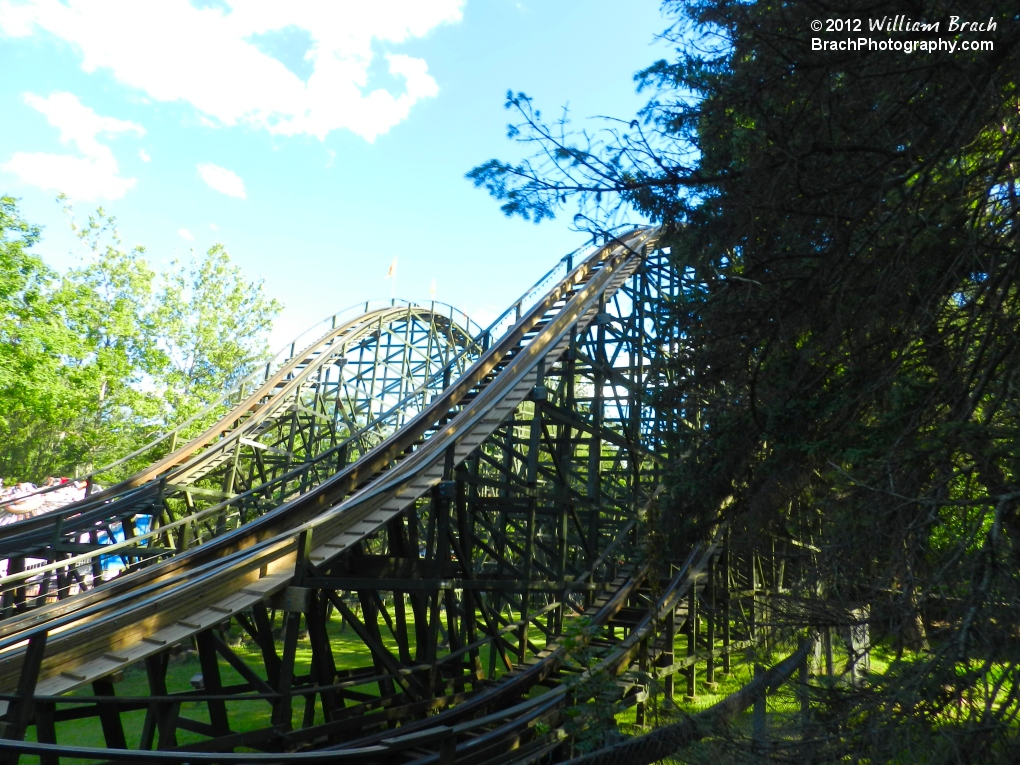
(354, 493)
(483, 335)
(320, 504)
(565, 263)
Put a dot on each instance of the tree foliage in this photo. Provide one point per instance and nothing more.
(846, 225)
(213, 323)
(95, 362)
(27, 348)
(110, 335)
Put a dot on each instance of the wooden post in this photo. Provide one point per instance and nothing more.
(443, 494)
(804, 677)
(726, 603)
(827, 650)
(291, 627)
(160, 717)
(669, 656)
(710, 615)
(692, 641)
(109, 716)
(538, 396)
(21, 709)
(46, 730)
(469, 618)
(212, 683)
(639, 712)
(323, 667)
(754, 597)
(758, 715)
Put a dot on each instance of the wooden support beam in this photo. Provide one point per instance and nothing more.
(323, 665)
(669, 651)
(160, 717)
(410, 685)
(711, 617)
(21, 710)
(46, 730)
(692, 641)
(213, 685)
(291, 627)
(725, 565)
(109, 718)
(758, 731)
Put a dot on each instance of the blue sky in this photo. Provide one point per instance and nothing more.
(316, 139)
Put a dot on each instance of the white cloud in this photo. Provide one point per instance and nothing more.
(93, 175)
(222, 180)
(183, 233)
(144, 155)
(210, 57)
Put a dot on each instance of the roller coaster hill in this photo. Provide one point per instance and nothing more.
(459, 499)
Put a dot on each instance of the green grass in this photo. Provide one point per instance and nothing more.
(349, 653)
(784, 719)
(348, 650)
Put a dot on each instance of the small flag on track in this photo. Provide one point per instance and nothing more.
(393, 269)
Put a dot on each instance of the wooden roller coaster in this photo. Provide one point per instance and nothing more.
(461, 499)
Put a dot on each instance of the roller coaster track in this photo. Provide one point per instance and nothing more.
(500, 500)
(330, 335)
(317, 408)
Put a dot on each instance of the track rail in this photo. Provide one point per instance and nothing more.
(281, 366)
(181, 493)
(522, 431)
(407, 473)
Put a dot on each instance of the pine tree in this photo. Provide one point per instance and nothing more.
(846, 225)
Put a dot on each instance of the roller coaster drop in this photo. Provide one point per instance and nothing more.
(456, 496)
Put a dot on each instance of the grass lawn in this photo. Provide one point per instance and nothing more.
(348, 650)
(349, 653)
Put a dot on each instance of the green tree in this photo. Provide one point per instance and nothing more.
(108, 313)
(29, 362)
(23, 276)
(213, 324)
(846, 225)
(96, 362)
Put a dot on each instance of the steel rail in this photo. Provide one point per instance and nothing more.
(499, 325)
(323, 510)
(513, 719)
(23, 529)
(511, 686)
(135, 545)
(552, 659)
(39, 531)
(355, 502)
(274, 397)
